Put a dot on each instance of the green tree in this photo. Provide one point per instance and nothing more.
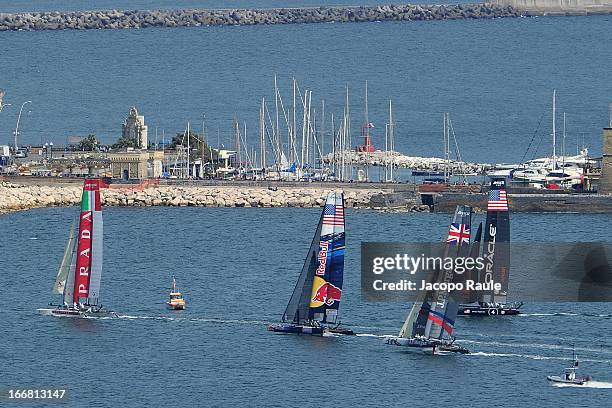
(124, 143)
(197, 146)
(89, 143)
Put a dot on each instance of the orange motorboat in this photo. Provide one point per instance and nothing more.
(176, 302)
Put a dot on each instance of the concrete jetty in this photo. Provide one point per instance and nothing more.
(544, 202)
(118, 19)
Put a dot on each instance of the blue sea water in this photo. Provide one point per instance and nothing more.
(238, 268)
(495, 77)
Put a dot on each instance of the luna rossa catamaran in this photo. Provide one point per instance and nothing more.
(429, 326)
(496, 254)
(313, 307)
(80, 273)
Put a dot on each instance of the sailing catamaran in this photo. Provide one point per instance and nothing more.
(430, 323)
(79, 276)
(313, 307)
(496, 254)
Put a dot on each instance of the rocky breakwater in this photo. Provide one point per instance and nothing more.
(115, 19)
(15, 197)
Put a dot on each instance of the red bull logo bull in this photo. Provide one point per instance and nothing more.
(324, 293)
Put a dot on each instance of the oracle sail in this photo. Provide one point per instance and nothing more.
(80, 273)
(496, 255)
(313, 307)
(430, 323)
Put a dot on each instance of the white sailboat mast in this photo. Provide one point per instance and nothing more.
(554, 130)
(262, 133)
(292, 156)
(188, 149)
(277, 129)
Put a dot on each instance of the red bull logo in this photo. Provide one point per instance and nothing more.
(322, 258)
(324, 293)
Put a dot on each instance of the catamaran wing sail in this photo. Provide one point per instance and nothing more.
(318, 290)
(443, 312)
(327, 281)
(64, 269)
(434, 314)
(496, 247)
(86, 236)
(97, 249)
(473, 274)
(298, 307)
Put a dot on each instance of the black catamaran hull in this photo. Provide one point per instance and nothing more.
(296, 329)
(478, 310)
(426, 346)
(86, 312)
(340, 330)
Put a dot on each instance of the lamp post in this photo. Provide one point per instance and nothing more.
(46, 147)
(51, 147)
(17, 127)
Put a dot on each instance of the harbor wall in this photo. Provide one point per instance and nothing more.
(16, 197)
(116, 19)
(560, 203)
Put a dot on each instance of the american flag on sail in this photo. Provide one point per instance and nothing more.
(458, 234)
(497, 201)
(333, 215)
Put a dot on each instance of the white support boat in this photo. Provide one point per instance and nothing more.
(81, 291)
(569, 375)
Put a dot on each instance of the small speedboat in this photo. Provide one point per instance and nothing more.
(177, 301)
(569, 376)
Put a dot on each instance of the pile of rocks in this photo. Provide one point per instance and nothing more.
(114, 19)
(14, 197)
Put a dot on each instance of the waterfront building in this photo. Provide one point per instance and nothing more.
(134, 128)
(136, 164)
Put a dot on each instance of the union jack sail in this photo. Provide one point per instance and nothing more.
(458, 234)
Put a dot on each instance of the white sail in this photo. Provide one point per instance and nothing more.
(408, 329)
(96, 257)
(69, 286)
(64, 269)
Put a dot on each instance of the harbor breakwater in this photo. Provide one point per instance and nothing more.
(117, 19)
(16, 197)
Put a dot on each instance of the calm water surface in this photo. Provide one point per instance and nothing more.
(238, 268)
